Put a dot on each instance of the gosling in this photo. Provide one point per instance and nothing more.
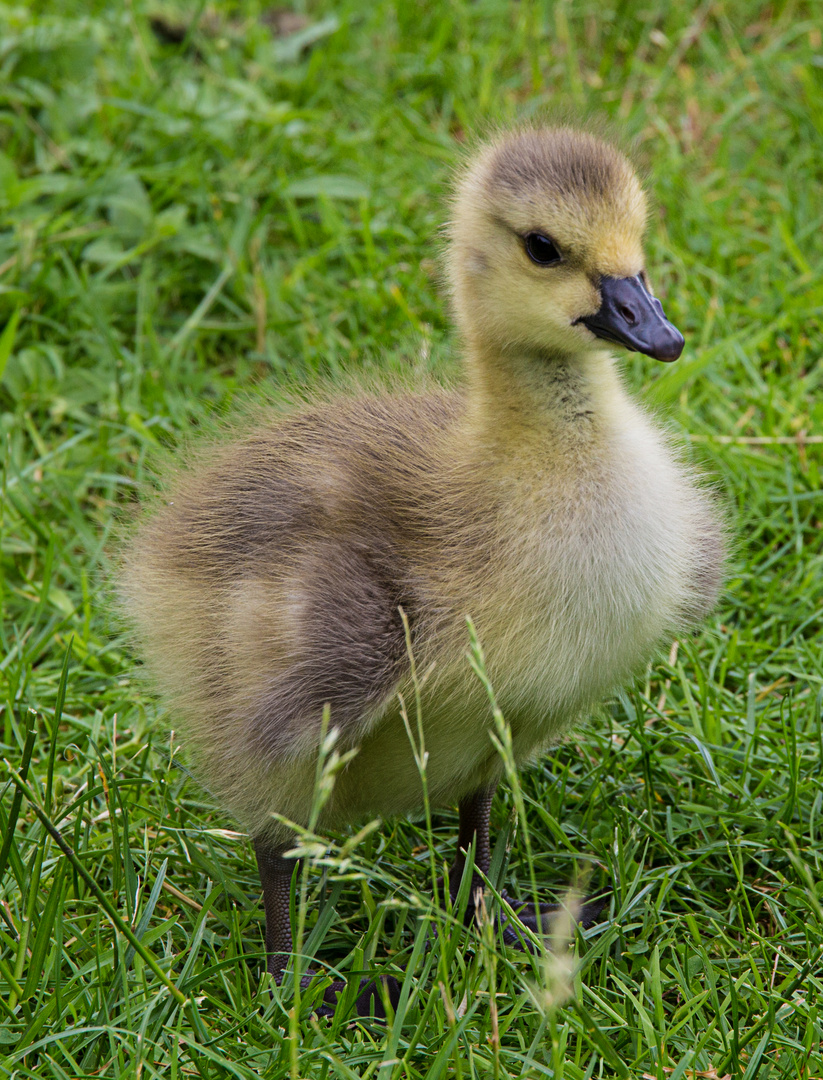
(538, 499)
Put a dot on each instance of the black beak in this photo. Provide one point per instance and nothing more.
(629, 315)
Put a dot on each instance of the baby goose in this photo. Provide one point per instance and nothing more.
(538, 499)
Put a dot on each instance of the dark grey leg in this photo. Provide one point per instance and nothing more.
(474, 811)
(474, 814)
(275, 877)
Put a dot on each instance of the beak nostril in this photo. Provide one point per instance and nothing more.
(628, 314)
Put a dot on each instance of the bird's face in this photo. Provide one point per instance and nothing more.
(547, 250)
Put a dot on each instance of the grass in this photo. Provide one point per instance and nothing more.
(183, 223)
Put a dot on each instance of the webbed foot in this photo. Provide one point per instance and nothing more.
(368, 1003)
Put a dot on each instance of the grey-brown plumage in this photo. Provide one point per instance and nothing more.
(537, 499)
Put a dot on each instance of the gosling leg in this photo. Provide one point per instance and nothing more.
(474, 814)
(275, 876)
(276, 873)
(474, 817)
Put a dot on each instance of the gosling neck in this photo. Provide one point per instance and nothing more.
(520, 396)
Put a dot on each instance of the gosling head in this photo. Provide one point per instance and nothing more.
(546, 252)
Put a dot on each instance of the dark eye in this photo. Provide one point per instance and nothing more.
(541, 249)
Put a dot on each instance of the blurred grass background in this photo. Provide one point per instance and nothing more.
(200, 201)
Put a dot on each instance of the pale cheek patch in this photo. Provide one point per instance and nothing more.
(577, 299)
(476, 262)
